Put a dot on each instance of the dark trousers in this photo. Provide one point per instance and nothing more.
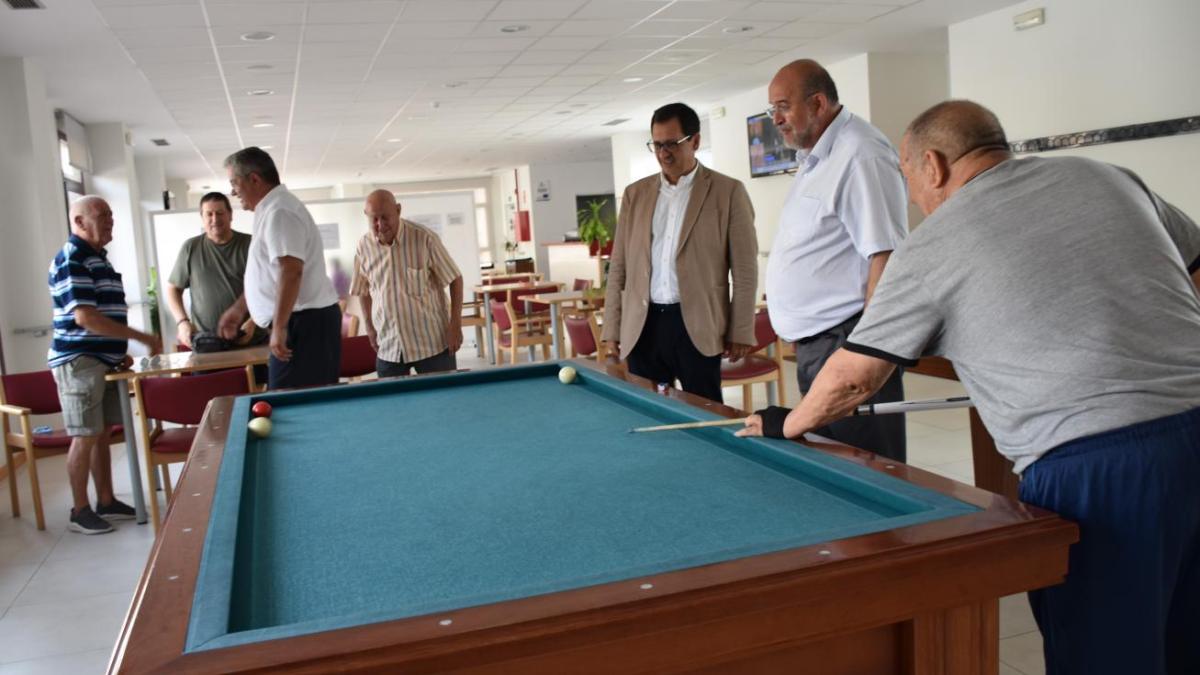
(882, 434)
(437, 363)
(1131, 599)
(665, 353)
(315, 338)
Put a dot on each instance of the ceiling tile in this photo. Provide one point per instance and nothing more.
(805, 29)
(247, 16)
(596, 28)
(232, 35)
(533, 28)
(734, 31)
(441, 10)
(346, 32)
(619, 9)
(521, 10)
(778, 11)
(163, 37)
(852, 13)
(338, 50)
(173, 54)
(371, 11)
(257, 52)
(639, 43)
(656, 28)
(153, 16)
(576, 43)
(714, 9)
(552, 58)
(500, 44)
(432, 29)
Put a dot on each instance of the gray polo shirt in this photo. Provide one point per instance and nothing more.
(1059, 288)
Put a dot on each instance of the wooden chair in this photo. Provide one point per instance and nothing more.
(513, 333)
(755, 367)
(472, 317)
(584, 334)
(349, 325)
(23, 395)
(177, 400)
(358, 358)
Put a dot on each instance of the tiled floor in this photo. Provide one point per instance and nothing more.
(63, 595)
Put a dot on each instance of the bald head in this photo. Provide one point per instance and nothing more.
(804, 101)
(383, 215)
(947, 146)
(954, 128)
(92, 220)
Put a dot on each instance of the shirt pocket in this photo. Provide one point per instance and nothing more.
(416, 282)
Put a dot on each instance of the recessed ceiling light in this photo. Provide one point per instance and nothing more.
(260, 92)
(734, 30)
(266, 147)
(633, 79)
(514, 28)
(205, 187)
(394, 140)
(455, 85)
(260, 66)
(258, 36)
(262, 125)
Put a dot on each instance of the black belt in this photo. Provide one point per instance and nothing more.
(664, 309)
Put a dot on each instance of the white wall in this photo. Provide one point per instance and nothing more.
(1094, 64)
(554, 218)
(33, 222)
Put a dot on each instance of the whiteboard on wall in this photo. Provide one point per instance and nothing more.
(342, 224)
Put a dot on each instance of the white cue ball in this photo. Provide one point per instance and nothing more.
(566, 375)
(260, 426)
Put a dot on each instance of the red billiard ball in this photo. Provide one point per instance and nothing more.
(261, 409)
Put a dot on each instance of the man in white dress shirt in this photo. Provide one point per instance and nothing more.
(845, 213)
(286, 287)
(671, 310)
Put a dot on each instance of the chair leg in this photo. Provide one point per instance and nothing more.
(10, 465)
(166, 476)
(779, 388)
(545, 352)
(748, 397)
(152, 497)
(35, 487)
(479, 341)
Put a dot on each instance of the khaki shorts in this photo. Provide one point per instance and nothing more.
(89, 404)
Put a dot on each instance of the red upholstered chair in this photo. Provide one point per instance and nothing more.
(358, 358)
(513, 332)
(582, 285)
(584, 333)
(23, 395)
(757, 367)
(178, 400)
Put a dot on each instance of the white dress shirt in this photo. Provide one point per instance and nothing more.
(847, 203)
(664, 241)
(283, 227)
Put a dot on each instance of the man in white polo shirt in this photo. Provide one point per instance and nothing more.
(285, 287)
(844, 215)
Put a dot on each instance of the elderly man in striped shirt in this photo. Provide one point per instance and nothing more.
(91, 337)
(400, 272)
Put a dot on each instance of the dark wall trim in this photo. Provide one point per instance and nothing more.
(1131, 132)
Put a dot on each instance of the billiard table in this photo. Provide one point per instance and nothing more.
(501, 521)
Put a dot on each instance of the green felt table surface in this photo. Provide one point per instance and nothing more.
(407, 497)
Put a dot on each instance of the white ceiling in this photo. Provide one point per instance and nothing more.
(389, 90)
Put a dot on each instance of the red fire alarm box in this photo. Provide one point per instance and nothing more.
(522, 226)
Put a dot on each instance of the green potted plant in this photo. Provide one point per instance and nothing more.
(595, 229)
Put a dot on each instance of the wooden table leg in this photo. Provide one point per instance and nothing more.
(993, 472)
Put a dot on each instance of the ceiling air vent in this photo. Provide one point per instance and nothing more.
(613, 123)
(160, 142)
(24, 4)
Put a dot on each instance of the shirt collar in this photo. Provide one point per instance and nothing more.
(824, 144)
(685, 181)
(82, 245)
(274, 194)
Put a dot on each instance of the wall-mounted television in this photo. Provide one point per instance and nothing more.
(768, 153)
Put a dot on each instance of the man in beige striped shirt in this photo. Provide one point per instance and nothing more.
(400, 272)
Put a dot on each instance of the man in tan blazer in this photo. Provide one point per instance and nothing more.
(681, 236)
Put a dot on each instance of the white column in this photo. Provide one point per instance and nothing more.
(115, 179)
(33, 222)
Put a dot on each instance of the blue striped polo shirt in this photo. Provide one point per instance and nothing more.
(81, 276)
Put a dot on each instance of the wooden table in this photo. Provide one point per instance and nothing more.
(556, 300)
(486, 290)
(170, 364)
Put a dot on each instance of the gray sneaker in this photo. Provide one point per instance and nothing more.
(86, 521)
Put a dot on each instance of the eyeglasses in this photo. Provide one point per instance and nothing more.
(670, 146)
(777, 108)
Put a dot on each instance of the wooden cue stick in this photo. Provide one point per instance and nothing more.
(691, 425)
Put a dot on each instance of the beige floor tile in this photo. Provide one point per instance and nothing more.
(1005, 669)
(1024, 653)
(23, 544)
(66, 581)
(13, 579)
(83, 663)
(1015, 616)
(56, 628)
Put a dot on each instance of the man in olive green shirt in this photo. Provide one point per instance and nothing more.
(213, 266)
